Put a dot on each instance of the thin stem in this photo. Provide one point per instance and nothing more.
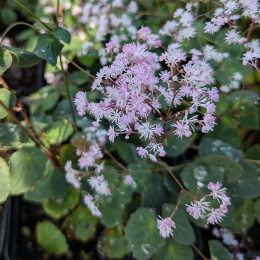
(11, 27)
(68, 91)
(178, 203)
(36, 17)
(199, 252)
(174, 177)
(114, 159)
(19, 123)
(57, 12)
(3, 83)
(78, 67)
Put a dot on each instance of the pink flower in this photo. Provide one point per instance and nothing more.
(128, 180)
(165, 226)
(111, 134)
(142, 152)
(182, 129)
(215, 216)
(217, 192)
(81, 102)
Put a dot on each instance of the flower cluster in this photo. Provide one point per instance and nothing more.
(89, 152)
(165, 226)
(132, 94)
(201, 207)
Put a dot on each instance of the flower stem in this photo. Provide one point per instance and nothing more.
(19, 123)
(174, 177)
(178, 203)
(35, 16)
(11, 27)
(68, 92)
(199, 252)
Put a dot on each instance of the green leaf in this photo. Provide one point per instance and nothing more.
(113, 244)
(27, 167)
(248, 183)
(176, 146)
(12, 136)
(257, 210)
(222, 164)
(141, 172)
(24, 58)
(57, 208)
(51, 238)
(243, 217)
(247, 98)
(226, 134)
(253, 152)
(8, 16)
(173, 250)
(142, 233)
(5, 96)
(58, 184)
(78, 77)
(127, 152)
(218, 251)
(49, 100)
(58, 131)
(214, 146)
(4, 180)
(222, 105)
(83, 224)
(62, 34)
(41, 190)
(183, 233)
(68, 152)
(200, 173)
(48, 48)
(111, 211)
(248, 117)
(153, 183)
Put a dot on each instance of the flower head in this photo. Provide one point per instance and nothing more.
(165, 226)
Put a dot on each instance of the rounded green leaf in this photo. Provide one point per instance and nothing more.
(62, 34)
(111, 211)
(68, 152)
(218, 251)
(5, 96)
(153, 183)
(5, 60)
(51, 238)
(176, 146)
(59, 207)
(248, 183)
(183, 233)
(27, 167)
(127, 152)
(222, 105)
(242, 97)
(213, 146)
(113, 244)
(253, 152)
(48, 48)
(83, 224)
(8, 15)
(4, 180)
(58, 131)
(142, 233)
(12, 136)
(58, 184)
(173, 250)
(41, 190)
(24, 58)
